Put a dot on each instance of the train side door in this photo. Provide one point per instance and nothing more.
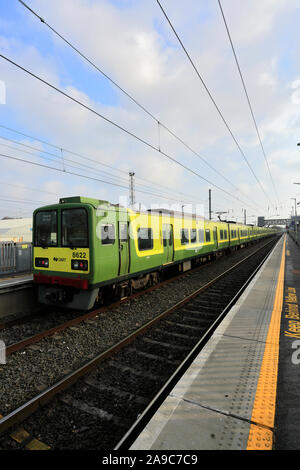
(123, 248)
(215, 232)
(168, 242)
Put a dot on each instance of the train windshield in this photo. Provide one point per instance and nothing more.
(46, 228)
(75, 228)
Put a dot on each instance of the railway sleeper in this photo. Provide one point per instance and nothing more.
(211, 303)
(199, 309)
(94, 411)
(164, 344)
(153, 357)
(176, 335)
(200, 321)
(135, 372)
(182, 325)
(122, 394)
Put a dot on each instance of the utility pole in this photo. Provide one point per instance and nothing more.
(295, 215)
(209, 203)
(131, 189)
(245, 217)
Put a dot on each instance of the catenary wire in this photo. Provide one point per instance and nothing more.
(212, 99)
(247, 97)
(83, 166)
(159, 123)
(139, 139)
(91, 160)
(81, 175)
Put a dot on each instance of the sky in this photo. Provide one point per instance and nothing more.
(52, 147)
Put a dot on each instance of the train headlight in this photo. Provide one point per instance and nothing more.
(42, 262)
(79, 265)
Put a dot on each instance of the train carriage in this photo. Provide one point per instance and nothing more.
(86, 249)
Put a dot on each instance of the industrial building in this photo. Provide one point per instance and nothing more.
(16, 230)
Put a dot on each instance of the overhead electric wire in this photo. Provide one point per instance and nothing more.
(49, 154)
(247, 97)
(63, 149)
(139, 139)
(90, 169)
(17, 201)
(82, 176)
(212, 99)
(91, 160)
(27, 188)
(159, 123)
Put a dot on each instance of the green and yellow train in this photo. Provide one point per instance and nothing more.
(86, 249)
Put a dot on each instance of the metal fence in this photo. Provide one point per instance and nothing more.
(15, 258)
(295, 235)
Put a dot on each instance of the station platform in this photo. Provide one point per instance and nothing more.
(243, 390)
(15, 280)
(17, 295)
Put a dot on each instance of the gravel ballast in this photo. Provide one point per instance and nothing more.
(37, 367)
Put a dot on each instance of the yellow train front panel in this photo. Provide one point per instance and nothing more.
(60, 259)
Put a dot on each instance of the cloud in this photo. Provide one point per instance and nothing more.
(135, 46)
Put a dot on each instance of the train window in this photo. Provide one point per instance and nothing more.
(75, 228)
(193, 234)
(165, 237)
(201, 236)
(45, 228)
(207, 235)
(225, 234)
(221, 234)
(184, 236)
(145, 239)
(108, 234)
(123, 232)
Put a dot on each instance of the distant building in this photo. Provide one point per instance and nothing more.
(17, 230)
(260, 221)
(292, 222)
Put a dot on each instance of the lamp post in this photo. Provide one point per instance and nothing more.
(295, 215)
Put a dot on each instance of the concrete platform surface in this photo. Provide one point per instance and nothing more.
(226, 399)
(17, 294)
(16, 280)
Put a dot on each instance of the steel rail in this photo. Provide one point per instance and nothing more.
(75, 321)
(135, 430)
(25, 410)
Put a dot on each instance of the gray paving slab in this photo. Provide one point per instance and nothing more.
(215, 396)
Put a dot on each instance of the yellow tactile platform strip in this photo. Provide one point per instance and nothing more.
(263, 413)
(24, 438)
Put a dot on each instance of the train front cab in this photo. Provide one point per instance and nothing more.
(62, 261)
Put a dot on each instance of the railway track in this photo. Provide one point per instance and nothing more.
(31, 328)
(105, 403)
